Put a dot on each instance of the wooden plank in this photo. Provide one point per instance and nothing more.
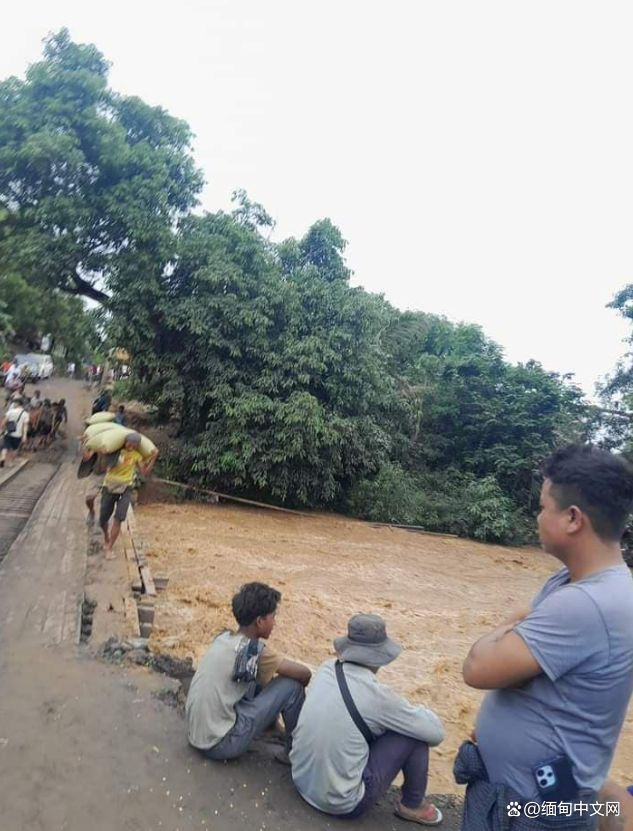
(131, 522)
(146, 576)
(131, 616)
(134, 576)
(145, 612)
(232, 498)
(419, 529)
(9, 473)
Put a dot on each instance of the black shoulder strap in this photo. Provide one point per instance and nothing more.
(351, 706)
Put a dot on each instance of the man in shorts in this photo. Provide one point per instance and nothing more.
(15, 425)
(117, 489)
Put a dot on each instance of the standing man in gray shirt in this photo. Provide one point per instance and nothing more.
(560, 671)
(335, 766)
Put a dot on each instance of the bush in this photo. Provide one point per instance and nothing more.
(392, 496)
(447, 502)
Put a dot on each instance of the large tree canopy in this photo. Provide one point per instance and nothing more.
(90, 181)
(280, 377)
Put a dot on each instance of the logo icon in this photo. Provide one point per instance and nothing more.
(514, 809)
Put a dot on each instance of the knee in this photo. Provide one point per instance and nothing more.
(294, 690)
(298, 693)
(421, 750)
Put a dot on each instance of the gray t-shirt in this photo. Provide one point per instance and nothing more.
(581, 634)
(213, 694)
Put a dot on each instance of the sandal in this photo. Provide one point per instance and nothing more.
(402, 812)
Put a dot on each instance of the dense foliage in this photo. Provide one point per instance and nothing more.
(27, 314)
(91, 182)
(280, 378)
(286, 380)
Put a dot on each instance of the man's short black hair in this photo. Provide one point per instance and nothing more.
(598, 482)
(254, 600)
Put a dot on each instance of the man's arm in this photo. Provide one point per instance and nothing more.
(146, 468)
(296, 671)
(517, 615)
(499, 659)
(415, 720)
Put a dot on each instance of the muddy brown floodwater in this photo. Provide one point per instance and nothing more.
(437, 594)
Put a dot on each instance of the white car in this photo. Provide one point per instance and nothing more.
(40, 366)
(44, 365)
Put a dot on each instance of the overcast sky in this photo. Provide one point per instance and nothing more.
(477, 156)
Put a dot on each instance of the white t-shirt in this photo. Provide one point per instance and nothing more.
(12, 372)
(19, 415)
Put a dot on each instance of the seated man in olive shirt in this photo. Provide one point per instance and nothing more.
(241, 685)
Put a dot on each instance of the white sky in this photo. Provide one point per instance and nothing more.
(477, 156)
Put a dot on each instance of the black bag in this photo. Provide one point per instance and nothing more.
(352, 709)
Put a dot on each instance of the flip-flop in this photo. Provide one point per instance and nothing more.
(438, 817)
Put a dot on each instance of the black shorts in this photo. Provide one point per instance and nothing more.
(11, 442)
(116, 503)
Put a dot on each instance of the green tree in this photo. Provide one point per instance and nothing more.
(91, 182)
(274, 378)
(30, 314)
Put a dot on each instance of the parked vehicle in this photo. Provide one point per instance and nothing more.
(39, 367)
(44, 364)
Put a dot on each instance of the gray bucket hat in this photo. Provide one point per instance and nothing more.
(366, 642)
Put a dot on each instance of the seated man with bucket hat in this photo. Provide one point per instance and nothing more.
(355, 735)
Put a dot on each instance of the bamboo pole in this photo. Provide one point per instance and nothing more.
(231, 498)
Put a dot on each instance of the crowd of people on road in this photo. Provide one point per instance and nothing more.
(30, 422)
(558, 674)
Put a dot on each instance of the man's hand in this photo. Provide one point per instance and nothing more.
(499, 659)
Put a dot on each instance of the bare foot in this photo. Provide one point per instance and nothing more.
(109, 554)
(426, 814)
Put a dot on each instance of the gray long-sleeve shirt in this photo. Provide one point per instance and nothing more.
(329, 753)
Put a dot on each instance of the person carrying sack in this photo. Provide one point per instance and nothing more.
(355, 735)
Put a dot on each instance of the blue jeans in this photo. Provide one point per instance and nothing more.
(254, 715)
(388, 755)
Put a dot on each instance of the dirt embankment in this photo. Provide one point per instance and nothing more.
(437, 594)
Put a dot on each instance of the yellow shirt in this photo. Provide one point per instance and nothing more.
(122, 472)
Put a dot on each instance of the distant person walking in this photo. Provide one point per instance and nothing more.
(102, 401)
(45, 426)
(12, 378)
(15, 427)
(120, 416)
(560, 670)
(71, 369)
(60, 414)
(35, 411)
